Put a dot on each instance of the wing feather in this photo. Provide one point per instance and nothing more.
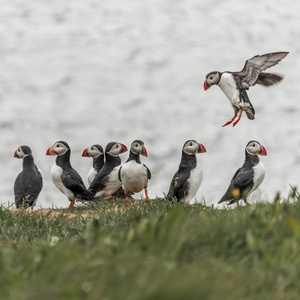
(255, 65)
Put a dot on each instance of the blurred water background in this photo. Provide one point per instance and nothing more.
(98, 71)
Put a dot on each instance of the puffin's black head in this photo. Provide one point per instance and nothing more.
(191, 147)
(22, 152)
(59, 148)
(254, 148)
(211, 79)
(93, 151)
(137, 147)
(114, 148)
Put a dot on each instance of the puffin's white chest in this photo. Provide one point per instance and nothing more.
(91, 175)
(112, 184)
(259, 175)
(134, 176)
(194, 181)
(229, 88)
(56, 173)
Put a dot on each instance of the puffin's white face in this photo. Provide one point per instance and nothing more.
(192, 147)
(137, 147)
(211, 79)
(22, 152)
(58, 148)
(92, 151)
(117, 149)
(254, 148)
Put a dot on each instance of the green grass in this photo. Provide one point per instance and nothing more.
(155, 250)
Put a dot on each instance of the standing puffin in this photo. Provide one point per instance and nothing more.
(65, 178)
(106, 182)
(96, 152)
(29, 182)
(188, 178)
(133, 174)
(247, 178)
(235, 84)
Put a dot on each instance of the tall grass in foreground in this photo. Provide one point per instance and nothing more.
(155, 250)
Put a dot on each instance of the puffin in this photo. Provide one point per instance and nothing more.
(247, 178)
(235, 84)
(29, 182)
(106, 182)
(96, 152)
(133, 174)
(64, 177)
(188, 178)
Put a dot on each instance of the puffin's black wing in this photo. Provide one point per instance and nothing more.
(179, 186)
(119, 174)
(148, 172)
(242, 181)
(72, 181)
(255, 65)
(100, 180)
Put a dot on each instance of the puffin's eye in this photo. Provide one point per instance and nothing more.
(136, 145)
(253, 145)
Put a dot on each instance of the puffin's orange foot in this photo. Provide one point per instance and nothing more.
(239, 117)
(229, 122)
(71, 204)
(146, 193)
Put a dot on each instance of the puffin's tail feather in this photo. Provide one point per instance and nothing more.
(268, 79)
(249, 109)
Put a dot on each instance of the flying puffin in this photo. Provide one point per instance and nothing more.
(29, 182)
(133, 174)
(106, 182)
(247, 178)
(235, 84)
(96, 152)
(188, 178)
(65, 178)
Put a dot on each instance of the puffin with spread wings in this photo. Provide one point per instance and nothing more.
(235, 84)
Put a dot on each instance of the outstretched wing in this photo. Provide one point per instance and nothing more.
(255, 65)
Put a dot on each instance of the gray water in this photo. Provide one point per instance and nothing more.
(98, 71)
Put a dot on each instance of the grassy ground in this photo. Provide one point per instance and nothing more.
(156, 250)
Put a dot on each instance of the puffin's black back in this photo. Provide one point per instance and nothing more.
(28, 183)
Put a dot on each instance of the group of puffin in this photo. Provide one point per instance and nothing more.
(108, 177)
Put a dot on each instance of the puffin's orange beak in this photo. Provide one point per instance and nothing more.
(124, 148)
(206, 85)
(144, 151)
(201, 148)
(16, 155)
(50, 151)
(262, 151)
(85, 153)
